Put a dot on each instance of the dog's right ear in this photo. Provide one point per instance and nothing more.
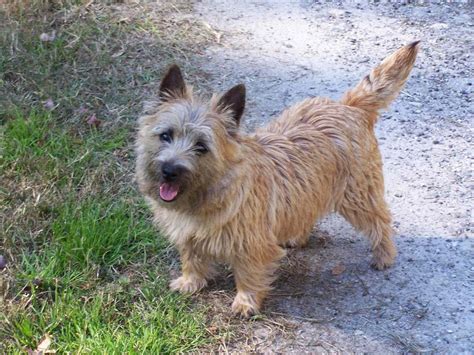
(172, 85)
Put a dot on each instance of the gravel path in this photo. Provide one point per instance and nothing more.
(286, 51)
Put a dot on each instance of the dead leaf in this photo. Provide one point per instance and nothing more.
(3, 262)
(48, 104)
(43, 347)
(46, 37)
(118, 53)
(338, 269)
(92, 120)
(44, 344)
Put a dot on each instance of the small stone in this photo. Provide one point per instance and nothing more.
(3, 262)
(439, 26)
(336, 13)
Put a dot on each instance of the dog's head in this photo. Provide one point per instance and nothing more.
(185, 147)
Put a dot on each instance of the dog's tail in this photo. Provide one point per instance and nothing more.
(378, 89)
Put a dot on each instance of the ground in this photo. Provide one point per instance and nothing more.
(83, 270)
(334, 302)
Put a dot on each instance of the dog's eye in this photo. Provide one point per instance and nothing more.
(166, 136)
(201, 148)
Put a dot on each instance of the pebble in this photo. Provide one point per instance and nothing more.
(3, 262)
(439, 26)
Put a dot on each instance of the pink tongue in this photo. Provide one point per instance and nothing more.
(168, 192)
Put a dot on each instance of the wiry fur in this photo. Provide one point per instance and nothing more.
(252, 194)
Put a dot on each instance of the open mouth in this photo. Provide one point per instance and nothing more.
(168, 192)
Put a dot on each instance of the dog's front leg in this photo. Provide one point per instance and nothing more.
(253, 277)
(195, 270)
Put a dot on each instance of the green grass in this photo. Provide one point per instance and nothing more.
(85, 264)
(79, 296)
(92, 275)
(106, 323)
(37, 144)
(91, 235)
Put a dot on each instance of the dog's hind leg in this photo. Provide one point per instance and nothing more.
(300, 236)
(376, 225)
(366, 209)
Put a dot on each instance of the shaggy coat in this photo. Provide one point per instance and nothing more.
(240, 198)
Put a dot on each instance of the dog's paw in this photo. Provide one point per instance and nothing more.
(292, 243)
(381, 264)
(245, 304)
(296, 243)
(187, 284)
(382, 261)
(383, 258)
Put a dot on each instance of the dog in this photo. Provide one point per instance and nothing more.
(222, 195)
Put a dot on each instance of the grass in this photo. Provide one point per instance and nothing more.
(84, 264)
(88, 288)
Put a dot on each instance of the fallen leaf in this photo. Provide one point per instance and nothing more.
(46, 37)
(44, 344)
(81, 110)
(3, 262)
(48, 104)
(118, 53)
(92, 120)
(338, 269)
(322, 241)
(43, 347)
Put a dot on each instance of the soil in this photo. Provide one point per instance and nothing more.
(285, 51)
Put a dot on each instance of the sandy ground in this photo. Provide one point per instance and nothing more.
(286, 51)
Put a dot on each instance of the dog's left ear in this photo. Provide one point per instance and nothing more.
(234, 101)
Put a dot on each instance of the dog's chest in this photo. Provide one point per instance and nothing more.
(178, 228)
(202, 236)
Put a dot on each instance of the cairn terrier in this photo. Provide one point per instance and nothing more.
(222, 195)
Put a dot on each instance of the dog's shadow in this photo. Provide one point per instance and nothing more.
(293, 274)
(329, 287)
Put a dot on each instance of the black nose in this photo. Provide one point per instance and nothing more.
(170, 171)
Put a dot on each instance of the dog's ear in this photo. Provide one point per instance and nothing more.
(172, 85)
(234, 101)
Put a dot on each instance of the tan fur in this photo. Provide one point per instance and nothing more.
(252, 194)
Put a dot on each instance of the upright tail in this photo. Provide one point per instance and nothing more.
(378, 89)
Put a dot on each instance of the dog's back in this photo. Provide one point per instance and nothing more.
(326, 154)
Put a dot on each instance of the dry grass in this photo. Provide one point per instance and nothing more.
(104, 61)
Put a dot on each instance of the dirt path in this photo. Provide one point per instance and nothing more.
(286, 51)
